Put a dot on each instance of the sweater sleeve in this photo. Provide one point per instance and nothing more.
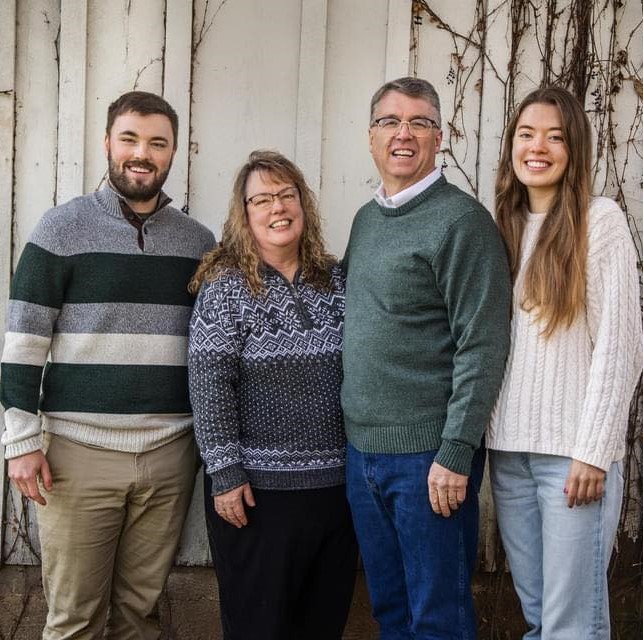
(37, 294)
(473, 275)
(614, 319)
(215, 347)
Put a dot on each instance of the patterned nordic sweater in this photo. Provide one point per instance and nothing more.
(265, 376)
(112, 319)
(569, 395)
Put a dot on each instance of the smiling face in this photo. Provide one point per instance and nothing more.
(539, 154)
(277, 227)
(403, 159)
(139, 152)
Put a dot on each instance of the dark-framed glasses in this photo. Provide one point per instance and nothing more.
(419, 127)
(286, 196)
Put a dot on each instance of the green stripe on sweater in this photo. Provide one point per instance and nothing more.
(115, 389)
(20, 386)
(44, 278)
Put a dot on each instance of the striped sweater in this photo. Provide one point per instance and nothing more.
(569, 395)
(96, 340)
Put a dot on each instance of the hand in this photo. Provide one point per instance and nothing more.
(447, 489)
(229, 505)
(584, 483)
(24, 471)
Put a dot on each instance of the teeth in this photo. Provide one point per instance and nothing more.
(537, 164)
(139, 170)
(403, 152)
(280, 223)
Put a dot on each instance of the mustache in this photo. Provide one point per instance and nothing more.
(141, 164)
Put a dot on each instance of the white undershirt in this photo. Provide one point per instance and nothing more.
(406, 195)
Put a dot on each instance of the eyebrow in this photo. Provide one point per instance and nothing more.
(394, 115)
(133, 134)
(528, 126)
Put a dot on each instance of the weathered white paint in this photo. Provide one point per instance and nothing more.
(177, 79)
(71, 101)
(7, 124)
(397, 39)
(310, 93)
(293, 75)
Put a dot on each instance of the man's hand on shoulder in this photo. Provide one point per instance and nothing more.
(24, 472)
(447, 489)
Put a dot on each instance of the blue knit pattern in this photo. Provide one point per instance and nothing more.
(265, 376)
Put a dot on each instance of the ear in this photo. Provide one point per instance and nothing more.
(438, 140)
(106, 145)
(370, 139)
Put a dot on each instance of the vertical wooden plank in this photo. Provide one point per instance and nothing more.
(71, 100)
(34, 174)
(398, 38)
(310, 95)
(177, 83)
(7, 125)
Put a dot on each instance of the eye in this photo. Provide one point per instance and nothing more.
(420, 124)
(127, 140)
(261, 200)
(159, 145)
(556, 138)
(388, 123)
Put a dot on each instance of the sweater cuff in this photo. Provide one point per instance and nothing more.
(228, 478)
(23, 447)
(455, 456)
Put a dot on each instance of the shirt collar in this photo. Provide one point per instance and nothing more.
(406, 195)
(163, 201)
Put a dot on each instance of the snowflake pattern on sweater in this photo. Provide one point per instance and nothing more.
(265, 375)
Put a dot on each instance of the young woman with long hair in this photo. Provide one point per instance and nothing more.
(557, 436)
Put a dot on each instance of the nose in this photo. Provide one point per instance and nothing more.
(277, 204)
(404, 131)
(537, 143)
(142, 151)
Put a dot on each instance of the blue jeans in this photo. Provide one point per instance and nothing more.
(558, 556)
(418, 564)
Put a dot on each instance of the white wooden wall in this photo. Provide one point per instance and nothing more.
(292, 75)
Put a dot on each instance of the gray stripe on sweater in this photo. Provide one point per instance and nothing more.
(27, 317)
(121, 317)
(95, 224)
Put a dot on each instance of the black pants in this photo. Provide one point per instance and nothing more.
(289, 574)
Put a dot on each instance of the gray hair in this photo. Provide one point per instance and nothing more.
(412, 87)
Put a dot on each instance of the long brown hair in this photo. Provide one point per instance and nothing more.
(555, 278)
(238, 249)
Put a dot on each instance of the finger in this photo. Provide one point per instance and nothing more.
(461, 495)
(582, 492)
(248, 496)
(33, 492)
(444, 504)
(45, 475)
(600, 489)
(239, 514)
(571, 489)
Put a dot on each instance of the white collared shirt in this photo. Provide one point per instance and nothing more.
(407, 194)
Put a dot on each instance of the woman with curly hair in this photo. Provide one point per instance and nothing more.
(265, 373)
(557, 436)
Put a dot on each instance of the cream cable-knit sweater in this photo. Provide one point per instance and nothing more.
(569, 395)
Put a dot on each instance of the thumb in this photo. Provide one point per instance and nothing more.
(248, 497)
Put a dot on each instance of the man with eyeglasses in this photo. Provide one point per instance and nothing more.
(425, 342)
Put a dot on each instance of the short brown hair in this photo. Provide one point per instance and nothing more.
(145, 104)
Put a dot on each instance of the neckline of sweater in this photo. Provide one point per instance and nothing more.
(395, 212)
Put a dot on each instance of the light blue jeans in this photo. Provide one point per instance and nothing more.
(558, 556)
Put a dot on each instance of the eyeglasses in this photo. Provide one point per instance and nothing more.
(286, 196)
(419, 127)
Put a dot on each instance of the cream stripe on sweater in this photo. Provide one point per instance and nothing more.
(569, 395)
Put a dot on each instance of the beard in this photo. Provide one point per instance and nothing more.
(129, 188)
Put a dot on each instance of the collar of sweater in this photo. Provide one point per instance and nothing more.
(411, 204)
(111, 200)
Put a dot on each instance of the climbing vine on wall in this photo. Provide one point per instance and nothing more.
(593, 49)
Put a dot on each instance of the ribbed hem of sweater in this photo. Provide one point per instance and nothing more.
(287, 480)
(129, 440)
(411, 438)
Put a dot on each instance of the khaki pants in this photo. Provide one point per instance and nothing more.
(109, 534)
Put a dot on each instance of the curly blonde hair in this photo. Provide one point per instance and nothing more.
(238, 249)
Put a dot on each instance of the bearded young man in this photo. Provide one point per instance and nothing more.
(106, 450)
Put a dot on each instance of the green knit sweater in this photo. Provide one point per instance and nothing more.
(427, 326)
